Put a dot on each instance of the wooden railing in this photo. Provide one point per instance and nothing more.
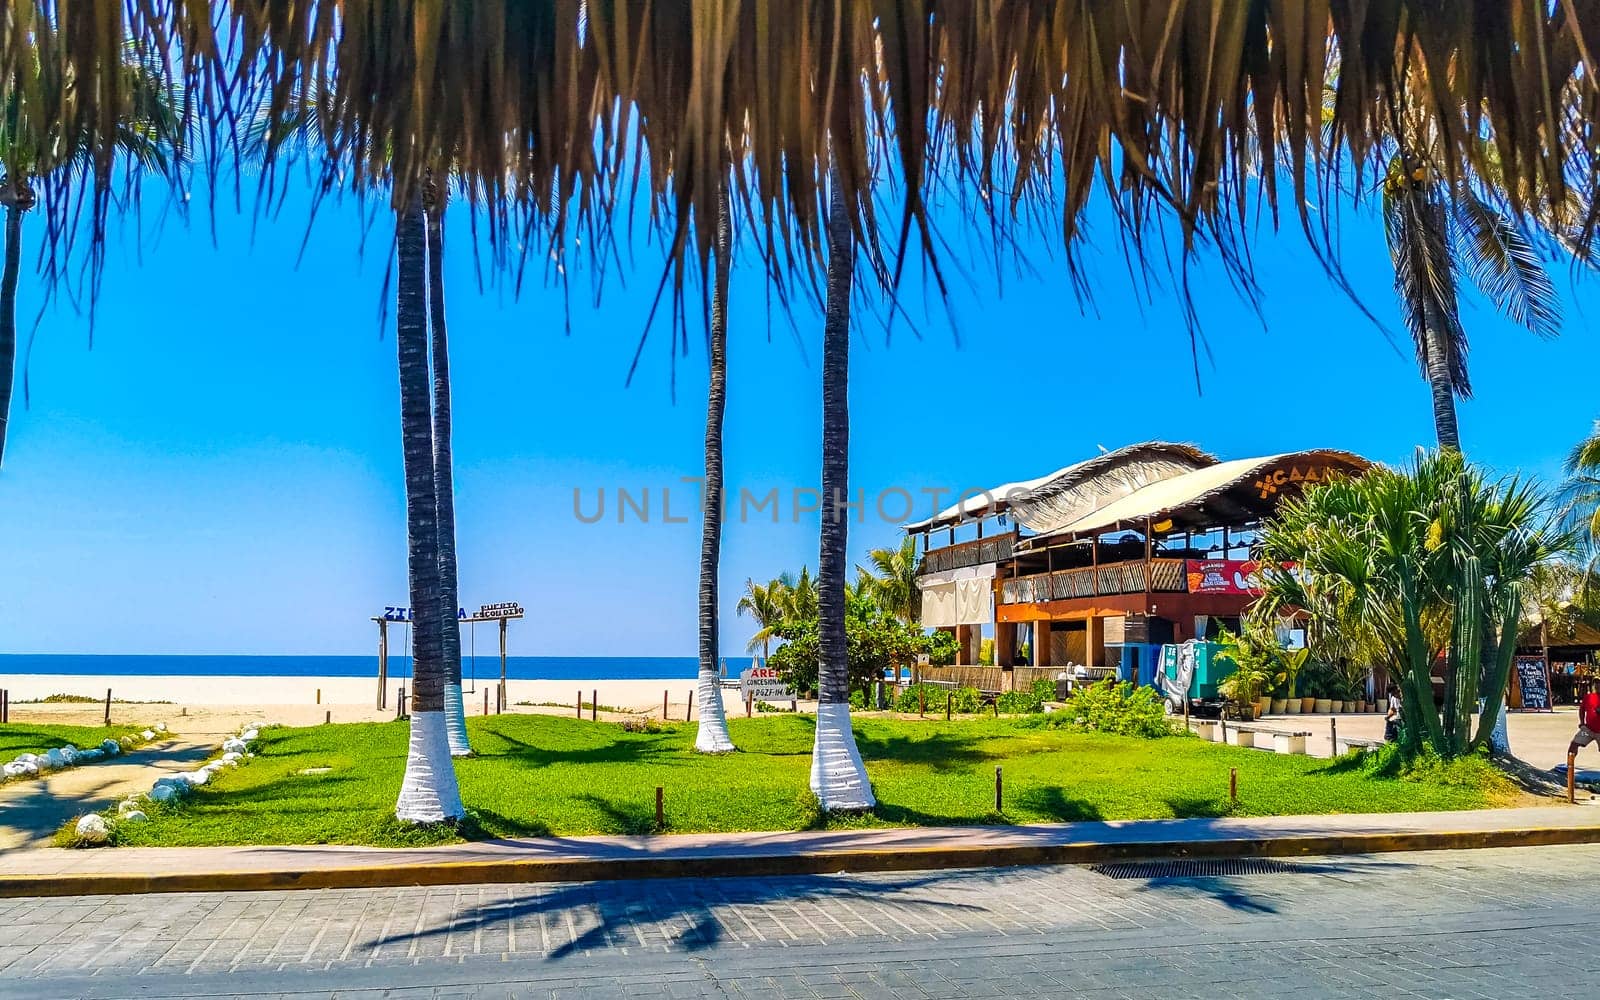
(962, 554)
(1166, 576)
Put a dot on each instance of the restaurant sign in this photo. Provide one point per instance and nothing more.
(763, 684)
(1276, 479)
(1223, 576)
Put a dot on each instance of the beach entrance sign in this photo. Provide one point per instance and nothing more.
(763, 684)
(506, 609)
(502, 612)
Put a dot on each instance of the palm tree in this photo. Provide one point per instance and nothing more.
(33, 148)
(838, 777)
(799, 594)
(428, 793)
(1435, 231)
(713, 736)
(435, 196)
(764, 603)
(894, 580)
(1579, 497)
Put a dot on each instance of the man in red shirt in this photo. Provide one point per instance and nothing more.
(1588, 724)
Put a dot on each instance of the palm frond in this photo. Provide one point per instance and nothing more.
(1504, 265)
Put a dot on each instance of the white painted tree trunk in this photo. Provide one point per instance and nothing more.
(712, 737)
(455, 719)
(838, 777)
(429, 793)
(1499, 736)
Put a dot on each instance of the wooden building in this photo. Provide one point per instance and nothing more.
(1101, 562)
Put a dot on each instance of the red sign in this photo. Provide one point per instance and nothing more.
(1223, 576)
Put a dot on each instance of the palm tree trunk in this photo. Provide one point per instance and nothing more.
(837, 775)
(1444, 397)
(428, 794)
(8, 318)
(455, 711)
(712, 736)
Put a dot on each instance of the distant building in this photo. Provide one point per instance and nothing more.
(1101, 562)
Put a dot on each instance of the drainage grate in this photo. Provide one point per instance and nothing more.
(1200, 868)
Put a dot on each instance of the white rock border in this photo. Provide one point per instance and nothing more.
(96, 829)
(31, 765)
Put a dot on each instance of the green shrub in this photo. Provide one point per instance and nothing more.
(1029, 700)
(932, 694)
(858, 701)
(1115, 707)
(965, 700)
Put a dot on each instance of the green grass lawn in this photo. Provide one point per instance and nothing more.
(538, 775)
(26, 737)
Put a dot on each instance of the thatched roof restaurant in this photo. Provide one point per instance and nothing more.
(1098, 562)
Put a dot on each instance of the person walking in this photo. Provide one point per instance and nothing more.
(1588, 725)
(1391, 719)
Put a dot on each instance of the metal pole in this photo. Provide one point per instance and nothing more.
(503, 660)
(108, 706)
(999, 801)
(383, 663)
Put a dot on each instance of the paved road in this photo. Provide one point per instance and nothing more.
(1486, 924)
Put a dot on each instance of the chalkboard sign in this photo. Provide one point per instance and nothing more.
(1534, 681)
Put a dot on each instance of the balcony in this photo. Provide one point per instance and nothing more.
(1166, 576)
(977, 552)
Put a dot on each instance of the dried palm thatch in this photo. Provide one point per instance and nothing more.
(1195, 110)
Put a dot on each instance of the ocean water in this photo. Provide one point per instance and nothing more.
(517, 667)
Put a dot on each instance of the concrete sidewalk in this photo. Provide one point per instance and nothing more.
(57, 872)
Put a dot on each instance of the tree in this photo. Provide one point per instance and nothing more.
(428, 792)
(435, 197)
(894, 580)
(712, 736)
(838, 777)
(764, 603)
(876, 642)
(34, 147)
(1579, 497)
(1434, 231)
(1430, 556)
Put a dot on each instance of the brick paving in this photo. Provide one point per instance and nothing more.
(1490, 924)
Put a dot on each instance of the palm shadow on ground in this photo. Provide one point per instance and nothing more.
(697, 906)
(1241, 893)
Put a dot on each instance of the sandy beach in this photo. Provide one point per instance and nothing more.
(205, 705)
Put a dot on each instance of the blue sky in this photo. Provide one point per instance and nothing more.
(221, 472)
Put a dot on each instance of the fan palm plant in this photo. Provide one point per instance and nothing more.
(838, 777)
(35, 148)
(1408, 566)
(712, 736)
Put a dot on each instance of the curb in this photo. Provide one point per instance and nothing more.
(422, 873)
